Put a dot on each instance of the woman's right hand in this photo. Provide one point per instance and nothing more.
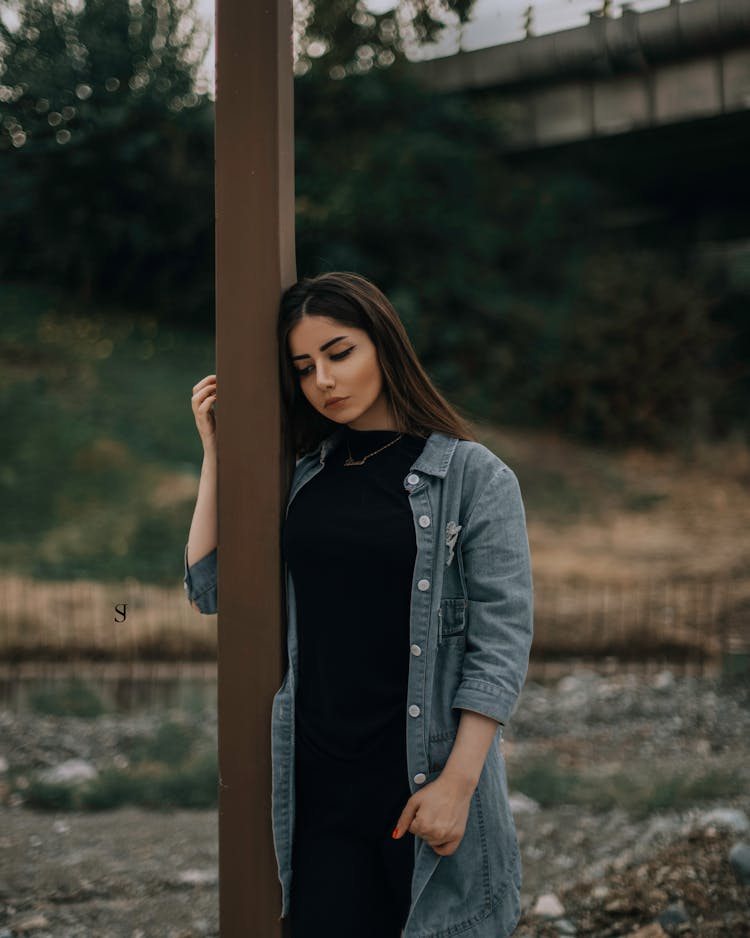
(204, 396)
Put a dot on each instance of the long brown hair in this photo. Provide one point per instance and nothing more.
(353, 300)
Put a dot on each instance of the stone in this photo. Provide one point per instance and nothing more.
(654, 930)
(739, 860)
(548, 906)
(732, 818)
(674, 914)
(522, 804)
(70, 772)
(197, 877)
(568, 684)
(664, 680)
(564, 926)
(31, 923)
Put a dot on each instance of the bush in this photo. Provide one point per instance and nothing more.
(49, 796)
(171, 745)
(154, 785)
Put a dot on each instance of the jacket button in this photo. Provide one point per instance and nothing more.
(414, 711)
(423, 585)
(419, 778)
(412, 478)
(416, 650)
(424, 521)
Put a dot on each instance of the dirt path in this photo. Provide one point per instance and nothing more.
(128, 873)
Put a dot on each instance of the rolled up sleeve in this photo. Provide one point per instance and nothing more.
(499, 631)
(200, 582)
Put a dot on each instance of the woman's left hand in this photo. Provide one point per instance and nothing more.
(438, 814)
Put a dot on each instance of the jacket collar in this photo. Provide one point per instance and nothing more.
(434, 458)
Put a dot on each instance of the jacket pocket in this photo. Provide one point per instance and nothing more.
(452, 617)
(457, 894)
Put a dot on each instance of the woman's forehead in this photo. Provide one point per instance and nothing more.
(320, 329)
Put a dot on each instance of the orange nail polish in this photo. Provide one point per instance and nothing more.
(395, 832)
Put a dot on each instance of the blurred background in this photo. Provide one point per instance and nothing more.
(555, 199)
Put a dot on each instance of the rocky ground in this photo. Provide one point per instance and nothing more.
(626, 869)
(657, 852)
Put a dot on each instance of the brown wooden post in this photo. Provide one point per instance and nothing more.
(255, 261)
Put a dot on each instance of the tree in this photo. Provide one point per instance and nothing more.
(106, 146)
(351, 39)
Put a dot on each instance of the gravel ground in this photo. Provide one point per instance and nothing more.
(133, 873)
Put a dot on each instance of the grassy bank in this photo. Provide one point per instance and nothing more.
(98, 486)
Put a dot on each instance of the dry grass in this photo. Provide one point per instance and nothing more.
(635, 551)
(639, 514)
(68, 620)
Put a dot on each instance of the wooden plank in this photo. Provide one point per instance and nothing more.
(255, 261)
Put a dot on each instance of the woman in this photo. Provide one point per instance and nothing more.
(410, 611)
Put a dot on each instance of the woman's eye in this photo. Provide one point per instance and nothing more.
(305, 371)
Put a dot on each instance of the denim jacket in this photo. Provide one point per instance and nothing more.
(471, 626)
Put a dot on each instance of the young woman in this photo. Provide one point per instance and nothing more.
(410, 609)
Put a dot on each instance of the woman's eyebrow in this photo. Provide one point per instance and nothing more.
(322, 347)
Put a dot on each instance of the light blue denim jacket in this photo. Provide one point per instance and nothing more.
(471, 625)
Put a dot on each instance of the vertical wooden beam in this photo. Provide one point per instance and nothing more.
(255, 261)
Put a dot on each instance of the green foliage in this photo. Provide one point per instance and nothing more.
(543, 780)
(164, 772)
(524, 306)
(355, 39)
(76, 699)
(49, 796)
(404, 193)
(102, 97)
(521, 310)
(114, 787)
(98, 409)
(171, 745)
(635, 359)
(193, 784)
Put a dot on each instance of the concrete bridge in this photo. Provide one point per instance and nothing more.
(681, 63)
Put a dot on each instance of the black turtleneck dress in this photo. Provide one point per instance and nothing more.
(350, 544)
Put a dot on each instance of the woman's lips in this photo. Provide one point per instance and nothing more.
(339, 400)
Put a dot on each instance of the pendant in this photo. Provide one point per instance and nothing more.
(354, 462)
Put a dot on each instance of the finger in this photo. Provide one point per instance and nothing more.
(206, 389)
(206, 405)
(202, 382)
(202, 396)
(406, 817)
(446, 849)
(203, 393)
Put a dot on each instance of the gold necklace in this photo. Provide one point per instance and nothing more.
(360, 462)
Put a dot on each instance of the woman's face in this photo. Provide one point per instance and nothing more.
(333, 360)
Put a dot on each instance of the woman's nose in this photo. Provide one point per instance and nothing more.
(322, 376)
